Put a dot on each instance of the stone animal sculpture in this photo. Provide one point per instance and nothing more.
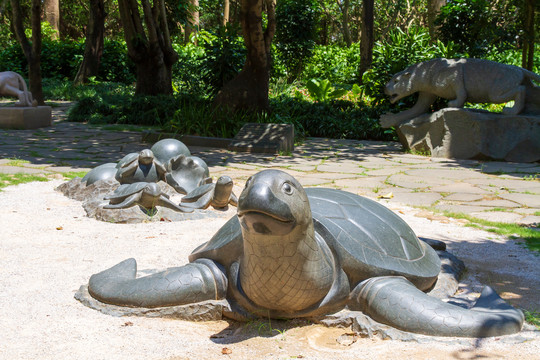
(292, 252)
(186, 173)
(147, 195)
(102, 172)
(12, 84)
(218, 194)
(460, 81)
(140, 167)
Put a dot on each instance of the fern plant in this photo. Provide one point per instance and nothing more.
(322, 90)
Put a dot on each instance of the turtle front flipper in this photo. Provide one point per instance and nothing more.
(127, 203)
(198, 281)
(233, 200)
(397, 302)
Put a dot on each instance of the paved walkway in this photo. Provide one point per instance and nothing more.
(497, 191)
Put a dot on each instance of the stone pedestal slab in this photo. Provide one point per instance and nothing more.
(469, 134)
(25, 117)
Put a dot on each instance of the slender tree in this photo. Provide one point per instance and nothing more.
(434, 8)
(32, 51)
(93, 47)
(367, 37)
(527, 57)
(149, 45)
(249, 89)
(51, 12)
(226, 12)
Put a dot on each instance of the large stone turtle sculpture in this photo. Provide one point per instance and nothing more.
(291, 252)
(147, 195)
(218, 194)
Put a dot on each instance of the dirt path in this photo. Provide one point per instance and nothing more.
(48, 248)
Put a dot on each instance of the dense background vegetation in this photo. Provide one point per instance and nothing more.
(315, 83)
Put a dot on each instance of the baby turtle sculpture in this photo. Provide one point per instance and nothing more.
(166, 149)
(218, 194)
(147, 195)
(140, 167)
(291, 252)
(186, 173)
(105, 171)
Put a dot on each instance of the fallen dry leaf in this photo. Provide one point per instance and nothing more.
(226, 351)
(128, 323)
(386, 196)
(59, 228)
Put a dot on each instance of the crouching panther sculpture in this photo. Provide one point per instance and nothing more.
(12, 84)
(460, 81)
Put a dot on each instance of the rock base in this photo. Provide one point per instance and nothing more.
(25, 118)
(471, 134)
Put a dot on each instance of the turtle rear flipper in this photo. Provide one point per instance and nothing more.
(397, 302)
(198, 281)
(202, 203)
(165, 202)
(233, 200)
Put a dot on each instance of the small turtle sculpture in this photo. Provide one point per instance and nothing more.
(147, 195)
(186, 173)
(218, 194)
(140, 167)
(105, 171)
(166, 149)
(291, 252)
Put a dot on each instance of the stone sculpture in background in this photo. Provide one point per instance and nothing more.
(218, 194)
(291, 253)
(513, 135)
(12, 84)
(141, 178)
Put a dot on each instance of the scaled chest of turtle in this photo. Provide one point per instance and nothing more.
(350, 239)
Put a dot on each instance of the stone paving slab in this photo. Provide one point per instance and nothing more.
(369, 168)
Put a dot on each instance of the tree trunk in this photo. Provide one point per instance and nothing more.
(52, 15)
(93, 47)
(367, 37)
(345, 26)
(192, 27)
(226, 12)
(434, 8)
(527, 57)
(32, 52)
(149, 45)
(249, 89)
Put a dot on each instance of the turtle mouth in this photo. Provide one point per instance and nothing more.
(394, 98)
(264, 223)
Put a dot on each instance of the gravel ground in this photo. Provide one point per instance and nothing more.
(48, 248)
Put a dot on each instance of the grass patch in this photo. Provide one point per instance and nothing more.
(17, 162)
(73, 174)
(532, 317)
(531, 236)
(16, 179)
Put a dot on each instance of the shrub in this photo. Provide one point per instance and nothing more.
(335, 63)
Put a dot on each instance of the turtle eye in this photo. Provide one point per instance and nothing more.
(287, 188)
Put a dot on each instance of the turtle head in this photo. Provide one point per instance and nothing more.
(273, 203)
(152, 189)
(146, 157)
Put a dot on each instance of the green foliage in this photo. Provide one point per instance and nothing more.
(335, 63)
(106, 108)
(401, 50)
(532, 317)
(186, 77)
(60, 59)
(476, 27)
(224, 57)
(295, 32)
(322, 90)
